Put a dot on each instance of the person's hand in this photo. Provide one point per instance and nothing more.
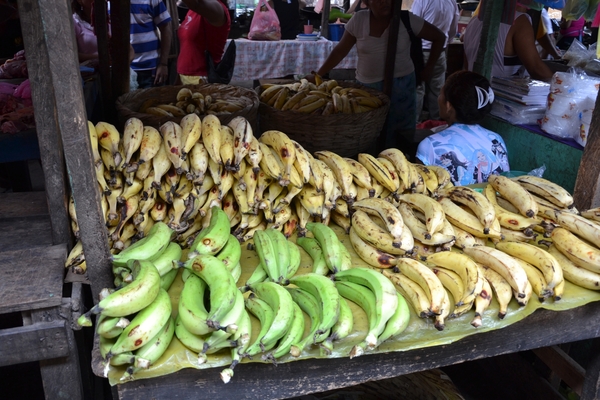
(162, 74)
(310, 78)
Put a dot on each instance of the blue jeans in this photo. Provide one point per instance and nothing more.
(145, 78)
(402, 116)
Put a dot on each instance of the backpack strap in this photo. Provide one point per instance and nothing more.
(406, 21)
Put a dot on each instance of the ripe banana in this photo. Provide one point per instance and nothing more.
(465, 267)
(452, 282)
(573, 273)
(378, 171)
(172, 133)
(375, 235)
(406, 172)
(514, 193)
(341, 170)
(283, 147)
(546, 189)
(501, 288)
(427, 279)
(387, 212)
(503, 264)
(537, 281)
(508, 219)
(467, 221)
(132, 139)
(536, 256)
(475, 201)
(582, 227)
(371, 254)
(576, 250)
(411, 292)
(211, 137)
(482, 303)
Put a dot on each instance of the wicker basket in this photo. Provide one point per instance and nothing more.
(129, 103)
(346, 134)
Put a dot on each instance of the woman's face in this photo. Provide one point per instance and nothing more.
(380, 8)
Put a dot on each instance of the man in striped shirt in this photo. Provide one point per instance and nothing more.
(148, 18)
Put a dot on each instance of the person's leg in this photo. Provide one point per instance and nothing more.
(435, 86)
(145, 79)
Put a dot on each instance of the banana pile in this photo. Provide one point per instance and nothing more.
(324, 99)
(188, 102)
(202, 188)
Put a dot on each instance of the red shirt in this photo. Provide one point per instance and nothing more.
(196, 35)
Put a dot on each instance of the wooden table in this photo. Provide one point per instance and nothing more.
(263, 59)
(264, 381)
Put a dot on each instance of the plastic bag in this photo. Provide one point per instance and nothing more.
(265, 24)
(574, 9)
(133, 83)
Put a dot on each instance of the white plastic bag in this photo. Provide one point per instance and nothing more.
(133, 83)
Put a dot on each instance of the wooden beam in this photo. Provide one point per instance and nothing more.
(47, 127)
(57, 51)
(104, 69)
(587, 184)
(33, 343)
(325, 19)
(567, 369)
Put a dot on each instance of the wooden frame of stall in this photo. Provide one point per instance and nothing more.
(64, 140)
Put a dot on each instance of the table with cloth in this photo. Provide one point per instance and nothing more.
(274, 59)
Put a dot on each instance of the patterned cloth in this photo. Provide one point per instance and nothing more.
(470, 153)
(274, 59)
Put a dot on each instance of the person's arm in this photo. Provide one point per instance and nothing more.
(438, 41)
(209, 9)
(162, 70)
(338, 53)
(523, 44)
(549, 46)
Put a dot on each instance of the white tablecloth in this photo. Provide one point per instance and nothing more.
(264, 59)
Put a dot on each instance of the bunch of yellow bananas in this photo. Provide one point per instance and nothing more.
(188, 102)
(323, 99)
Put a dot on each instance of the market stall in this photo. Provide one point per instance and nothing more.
(60, 106)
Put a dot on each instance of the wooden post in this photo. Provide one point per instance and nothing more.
(325, 19)
(54, 57)
(44, 102)
(587, 188)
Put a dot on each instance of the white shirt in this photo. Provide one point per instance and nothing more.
(372, 50)
(443, 14)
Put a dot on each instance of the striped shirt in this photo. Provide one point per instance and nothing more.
(146, 16)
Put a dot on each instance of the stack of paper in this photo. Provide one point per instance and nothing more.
(521, 90)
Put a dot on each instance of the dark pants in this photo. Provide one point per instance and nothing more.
(145, 78)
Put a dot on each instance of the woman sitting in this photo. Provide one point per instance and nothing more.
(468, 151)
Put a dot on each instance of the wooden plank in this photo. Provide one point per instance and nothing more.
(31, 278)
(104, 69)
(44, 102)
(562, 365)
(23, 204)
(56, 43)
(262, 381)
(587, 184)
(61, 376)
(33, 343)
(25, 233)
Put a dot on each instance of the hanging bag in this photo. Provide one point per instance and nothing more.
(265, 24)
(221, 72)
(416, 47)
